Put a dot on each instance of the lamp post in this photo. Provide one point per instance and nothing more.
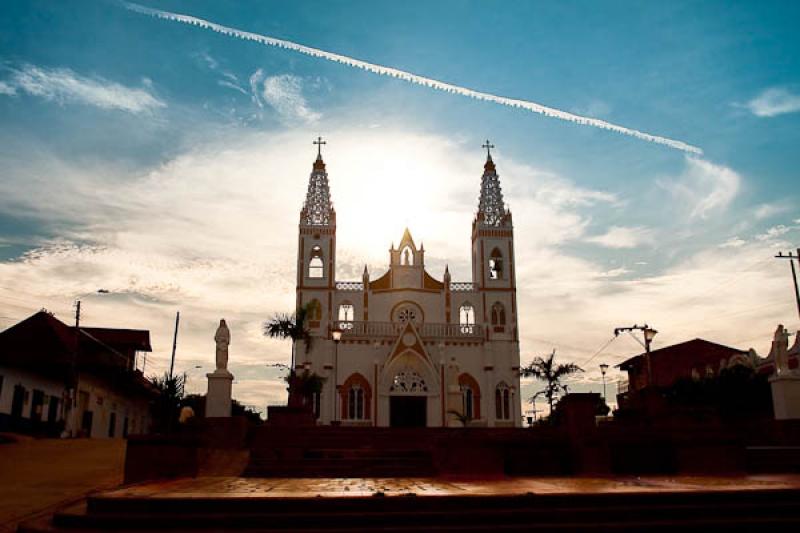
(649, 334)
(603, 370)
(336, 335)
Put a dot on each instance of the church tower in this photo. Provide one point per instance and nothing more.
(316, 251)
(493, 256)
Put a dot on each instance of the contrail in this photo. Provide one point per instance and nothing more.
(412, 78)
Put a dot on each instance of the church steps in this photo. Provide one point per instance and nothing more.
(612, 512)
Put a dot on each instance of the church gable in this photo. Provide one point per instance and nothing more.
(408, 341)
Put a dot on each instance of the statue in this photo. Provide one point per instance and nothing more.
(223, 339)
(780, 347)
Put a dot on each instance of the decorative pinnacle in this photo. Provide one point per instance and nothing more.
(491, 207)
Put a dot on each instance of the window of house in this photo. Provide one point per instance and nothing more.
(346, 314)
(466, 318)
(498, 314)
(316, 268)
(502, 402)
(496, 265)
(316, 403)
(355, 403)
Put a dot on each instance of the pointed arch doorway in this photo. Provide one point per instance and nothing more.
(408, 400)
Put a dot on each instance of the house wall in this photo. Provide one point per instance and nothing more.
(11, 377)
(103, 402)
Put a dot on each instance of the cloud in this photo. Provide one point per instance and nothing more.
(769, 210)
(412, 78)
(622, 237)
(774, 232)
(733, 242)
(706, 188)
(7, 89)
(62, 85)
(773, 102)
(285, 94)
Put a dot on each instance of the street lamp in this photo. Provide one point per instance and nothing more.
(603, 370)
(649, 334)
(336, 335)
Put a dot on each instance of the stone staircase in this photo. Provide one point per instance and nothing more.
(749, 510)
(340, 452)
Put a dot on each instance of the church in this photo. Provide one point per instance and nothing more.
(403, 348)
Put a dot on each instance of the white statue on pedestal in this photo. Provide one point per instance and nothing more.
(223, 339)
(779, 351)
(218, 398)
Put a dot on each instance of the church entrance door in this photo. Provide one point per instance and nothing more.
(408, 411)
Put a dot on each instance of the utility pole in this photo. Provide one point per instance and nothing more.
(73, 378)
(649, 333)
(174, 344)
(791, 257)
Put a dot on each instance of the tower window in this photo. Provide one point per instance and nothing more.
(498, 314)
(407, 256)
(316, 268)
(466, 318)
(496, 265)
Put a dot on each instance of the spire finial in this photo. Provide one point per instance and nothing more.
(488, 147)
(319, 142)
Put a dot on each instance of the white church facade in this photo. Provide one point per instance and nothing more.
(412, 350)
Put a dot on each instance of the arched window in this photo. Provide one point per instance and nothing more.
(466, 318)
(502, 402)
(356, 395)
(470, 396)
(314, 311)
(496, 265)
(355, 403)
(316, 268)
(346, 314)
(498, 314)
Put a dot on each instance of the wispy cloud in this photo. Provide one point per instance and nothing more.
(773, 102)
(622, 237)
(774, 232)
(733, 242)
(704, 187)
(63, 85)
(412, 78)
(285, 94)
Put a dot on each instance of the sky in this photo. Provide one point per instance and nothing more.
(165, 160)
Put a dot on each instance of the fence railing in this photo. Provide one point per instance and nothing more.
(622, 386)
(357, 329)
(463, 286)
(349, 286)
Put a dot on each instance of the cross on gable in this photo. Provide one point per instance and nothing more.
(319, 142)
(488, 147)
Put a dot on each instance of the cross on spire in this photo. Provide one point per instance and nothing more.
(488, 147)
(319, 142)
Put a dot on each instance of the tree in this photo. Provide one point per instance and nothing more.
(548, 371)
(293, 327)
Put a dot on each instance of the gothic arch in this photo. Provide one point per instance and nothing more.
(362, 406)
(496, 264)
(316, 263)
(314, 315)
(465, 381)
(502, 401)
(498, 315)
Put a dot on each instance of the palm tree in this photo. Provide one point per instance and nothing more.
(547, 370)
(286, 326)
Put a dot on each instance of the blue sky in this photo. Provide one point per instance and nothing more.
(166, 162)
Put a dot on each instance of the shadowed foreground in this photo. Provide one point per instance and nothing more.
(37, 475)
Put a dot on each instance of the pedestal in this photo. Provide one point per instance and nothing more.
(786, 396)
(218, 399)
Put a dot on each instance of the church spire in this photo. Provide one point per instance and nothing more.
(491, 209)
(318, 208)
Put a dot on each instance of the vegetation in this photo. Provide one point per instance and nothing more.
(166, 407)
(736, 392)
(293, 327)
(551, 373)
(461, 417)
